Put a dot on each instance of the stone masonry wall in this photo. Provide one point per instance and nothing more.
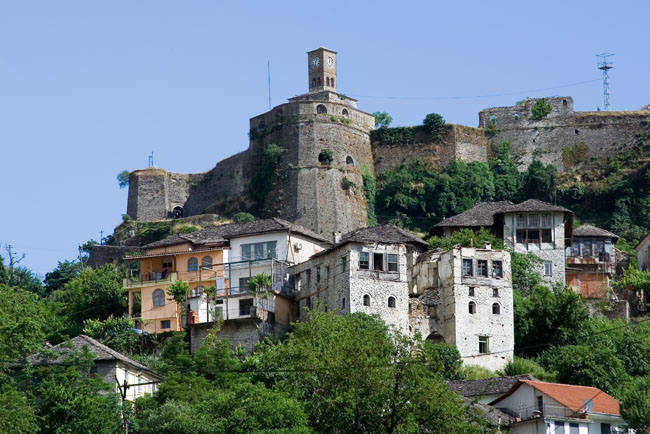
(596, 134)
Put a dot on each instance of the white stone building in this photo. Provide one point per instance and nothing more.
(463, 297)
(532, 226)
(367, 270)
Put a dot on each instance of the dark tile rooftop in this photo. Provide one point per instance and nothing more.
(487, 386)
(592, 231)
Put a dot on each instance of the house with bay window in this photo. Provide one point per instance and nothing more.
(223, 257)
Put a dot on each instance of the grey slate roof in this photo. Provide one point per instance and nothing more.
(481, 214)
(492, 415)
(487, 386)
(100, 351)
(592, 231)
(534, 205)
(222, 233)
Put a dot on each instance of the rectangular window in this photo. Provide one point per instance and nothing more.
(468, 266)
(497, 269)
(327, 273)
(575, 248)
(540, 403)
(483, 344)
(364, 261)
(521, 235)
(298, 282)
(308, 302)
(243, 285)
(245, 307)
(495, 292)
(344, 264)
(378, 261)
(533, 236)
(546, 220)
(482, 268)
(599, 247)
(392, 262)
(559, 427)
(318, 274)
(605, 428)
(308, 278)
(471, 291)
(586, 249)
(521, 221)
(547, 236)
(574, 428)
(548, 268)
(257, 251)
(533, 221)
(165, 324)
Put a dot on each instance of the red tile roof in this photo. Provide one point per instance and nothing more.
(572, 397)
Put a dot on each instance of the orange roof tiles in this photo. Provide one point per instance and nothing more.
(574, 397)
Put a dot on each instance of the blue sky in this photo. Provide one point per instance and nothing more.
(88, 89)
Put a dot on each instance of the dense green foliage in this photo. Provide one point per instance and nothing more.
(243, 217)
(466, 238)
(260, 184)
(63, 273)
(433, 124)
(541, 109)
(369, 193)
(123, 178)
(382, 119)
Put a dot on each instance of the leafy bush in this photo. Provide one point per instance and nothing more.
(382, 119)
(260, 184)
(541, 109)
(369, 192)
(243, 217)
(521, 366)
(466, 238)
(326, 157)
(434, 124)
(123, 178)
(574, 155)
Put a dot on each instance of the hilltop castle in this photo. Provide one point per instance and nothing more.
(327, 147)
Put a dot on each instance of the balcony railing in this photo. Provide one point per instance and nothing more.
(560, 411)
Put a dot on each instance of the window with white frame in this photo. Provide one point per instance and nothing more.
(257, 251)
(483, 345)
(468, 267)
(497, 269)
(548, 268)
(364, 260)
(392, 261)
(482, 268)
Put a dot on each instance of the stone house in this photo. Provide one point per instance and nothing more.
(560, 408)
(591, 261)
(226, 257)
(366, 270)
(643, 252)
(127, 376)
(464, 297)
(532, 226)
(486, 390)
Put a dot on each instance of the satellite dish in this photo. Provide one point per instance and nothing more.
(588, 405)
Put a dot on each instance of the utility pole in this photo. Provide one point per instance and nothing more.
(605, 65)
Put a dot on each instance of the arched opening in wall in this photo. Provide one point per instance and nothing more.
(516, 116)
(493, 119)
(279, 113)
(206, 262)
(391, 301)
(158, 298)
(577, 132)
(332, 82)
(320, 82)
(345, 113)
(435, 338)
(496, 309)
(327, 81)
(366, 300)
(343, 303)
(321, 109)
(177, 212)
(565, 103)
(349, 161)
(472, 307)
(192, 264)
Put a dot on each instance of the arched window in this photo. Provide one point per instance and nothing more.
(472, 307)
(158, 298)
(332, 82)
(345, 113)
(320, 109)
(516, 116)
(349, 161)
(192, 264)
(177, 212)
(496, 309)
(366, 300)
(206, 262)
(327, 80)
(493, 119)
(391, 301)
(320, 82)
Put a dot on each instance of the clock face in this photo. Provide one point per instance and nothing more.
(330, 62)
(315, 61)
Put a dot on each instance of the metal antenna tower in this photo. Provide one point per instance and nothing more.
(151, 159)
(605, 65)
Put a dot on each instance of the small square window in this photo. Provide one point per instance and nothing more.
(495, 292)
(245, 307)
(547, 236)
(364, 260)
(497, 269)
(471, 291)
(548, 268)
(165, 324)
(468, 266)
(482, 268)
(392, 262)
(378, 261)
(483, 345)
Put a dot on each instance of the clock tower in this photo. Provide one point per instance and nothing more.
(322, 70)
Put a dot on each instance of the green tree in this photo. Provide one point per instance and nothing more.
(353, 376)
(382, 119)
(243, 217)
(123, 178)
(19, 276)
(539, 181)
(466, 238)
(94, 294)
(525, 275)
(541, 109)
(17, 413)
(63, 273)
(259, 283)
(434, 124)
(507, 179)
(117, 333)
(521, 366)
(260, 184)
(634, 397)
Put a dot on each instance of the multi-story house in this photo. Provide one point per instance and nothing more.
(463, 296)
(532, 226)
(225, 257)
(561, 408)
(367, 270)
(591, 261)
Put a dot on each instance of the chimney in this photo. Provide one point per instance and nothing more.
(487, 245)
(336, 237)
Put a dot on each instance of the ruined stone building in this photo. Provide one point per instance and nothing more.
(532, 226)
(464, 297)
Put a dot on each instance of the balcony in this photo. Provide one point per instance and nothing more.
(558, 411)
(149, 279)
